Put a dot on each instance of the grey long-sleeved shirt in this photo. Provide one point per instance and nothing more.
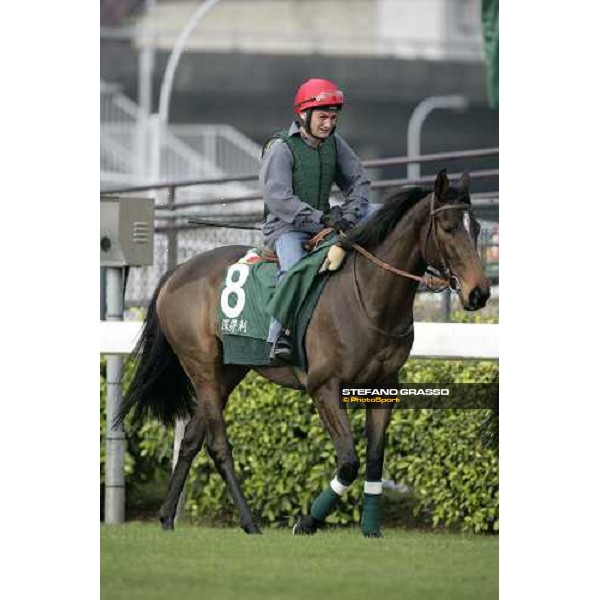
(286, 211)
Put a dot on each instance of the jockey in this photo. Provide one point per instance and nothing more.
(299, 168)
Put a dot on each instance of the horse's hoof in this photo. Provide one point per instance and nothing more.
(373, 534)
(167, 523)
(252, 529)
(306, 525)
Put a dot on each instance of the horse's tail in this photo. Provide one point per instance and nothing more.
(160, 387)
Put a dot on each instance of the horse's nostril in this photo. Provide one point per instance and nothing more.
(478, 297)
(485, 295)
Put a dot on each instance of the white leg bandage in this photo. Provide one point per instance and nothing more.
(338, 487)
(373, 487)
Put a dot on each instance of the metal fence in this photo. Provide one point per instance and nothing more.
(176, 240)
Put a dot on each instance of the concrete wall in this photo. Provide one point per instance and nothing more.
(431, 29)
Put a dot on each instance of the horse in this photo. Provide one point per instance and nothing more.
(361, 330)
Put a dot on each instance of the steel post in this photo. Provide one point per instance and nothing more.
(114, 477)
(446, 304)
(160, 120)
(172, 232)
(415, 124)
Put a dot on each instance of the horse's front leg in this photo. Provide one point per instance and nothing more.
(378, 420)
(335, 419)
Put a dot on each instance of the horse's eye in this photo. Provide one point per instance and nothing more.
(449, 226)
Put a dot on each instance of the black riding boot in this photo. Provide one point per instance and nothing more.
(281, 350)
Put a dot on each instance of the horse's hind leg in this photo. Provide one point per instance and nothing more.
(220, 450)
(214, 382)
(191, 444)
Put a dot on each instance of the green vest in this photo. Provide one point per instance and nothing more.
(313, 171)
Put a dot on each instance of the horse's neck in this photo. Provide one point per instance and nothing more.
(389, 298)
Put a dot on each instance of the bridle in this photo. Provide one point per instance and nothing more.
(450, 281)
(432, 282)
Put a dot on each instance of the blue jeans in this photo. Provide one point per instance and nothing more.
(289, 248)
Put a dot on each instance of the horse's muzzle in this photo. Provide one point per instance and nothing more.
(478, 298)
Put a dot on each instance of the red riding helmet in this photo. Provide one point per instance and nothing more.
(316, 93)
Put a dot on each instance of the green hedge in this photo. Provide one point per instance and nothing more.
(284, 457)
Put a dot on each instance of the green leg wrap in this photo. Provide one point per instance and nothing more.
(371, 515)
(324, 504)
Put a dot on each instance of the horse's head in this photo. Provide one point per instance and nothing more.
(451, 241)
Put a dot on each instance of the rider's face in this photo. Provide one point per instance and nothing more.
(323, 122)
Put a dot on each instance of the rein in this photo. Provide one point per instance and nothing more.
(374, 325)
(433, 283)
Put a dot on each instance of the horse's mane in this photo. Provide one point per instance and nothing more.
(377, 228)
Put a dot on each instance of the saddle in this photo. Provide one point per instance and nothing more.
(249, 298)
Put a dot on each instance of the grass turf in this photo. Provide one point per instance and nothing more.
(139, 561)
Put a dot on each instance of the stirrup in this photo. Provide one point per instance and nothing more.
(282, 349)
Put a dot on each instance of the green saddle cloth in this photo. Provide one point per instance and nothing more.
(249, 298)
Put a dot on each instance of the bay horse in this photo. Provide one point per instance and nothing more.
(361, 331)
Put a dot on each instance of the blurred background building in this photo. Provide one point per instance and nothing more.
(236, 80)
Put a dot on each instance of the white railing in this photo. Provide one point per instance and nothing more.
(187, 151)
(223, 145)
(115, 107)
(115, 156)
(432, 340)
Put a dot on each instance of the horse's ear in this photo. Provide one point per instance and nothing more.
(441, 184)
(465, 181)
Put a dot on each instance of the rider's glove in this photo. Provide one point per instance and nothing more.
(336, 220)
